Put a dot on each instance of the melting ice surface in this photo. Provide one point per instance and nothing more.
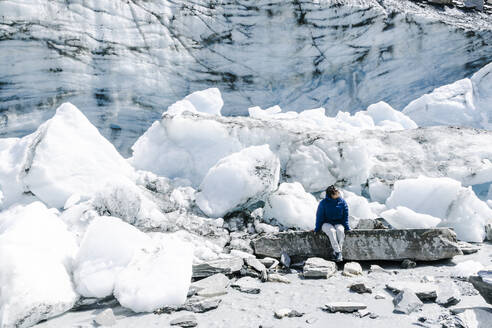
(97, 213)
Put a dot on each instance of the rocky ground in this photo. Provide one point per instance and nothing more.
(251, 303)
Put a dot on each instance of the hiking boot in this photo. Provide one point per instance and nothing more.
(338, 257)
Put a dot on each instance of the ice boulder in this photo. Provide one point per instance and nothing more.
(385, 116)
(404, 218)
(239, 180)
(108, 246)
(36, 253)
(444, 198)
(359, 207)
(156, 277)
(206, 101)
(291, 206)
(180, 147)
(68, 155)
(314, 160)
(467, 102)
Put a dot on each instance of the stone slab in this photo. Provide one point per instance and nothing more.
(363, 245)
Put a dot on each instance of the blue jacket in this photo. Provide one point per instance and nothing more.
(333, 211)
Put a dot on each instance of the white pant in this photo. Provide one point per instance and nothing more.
(336, 233)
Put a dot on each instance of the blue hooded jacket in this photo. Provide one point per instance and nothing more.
(333, 211)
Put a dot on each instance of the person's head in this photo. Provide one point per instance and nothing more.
(332, 192)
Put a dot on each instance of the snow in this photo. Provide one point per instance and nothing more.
(238, 180)
(108, 247)
(444, 198)
(156, 277)
(36, 253)
(403, 218)
(292, 206)
(68, 155)
(466, 102)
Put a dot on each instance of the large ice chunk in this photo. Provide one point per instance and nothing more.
(291, 206)
(239, 180)
(177, 147)
(109, 244)
(36, 252)
(444, 198)
(206, 101)
(386, 116)
(13, 154)
(69, 155)
(467, 102)
(156, 277)
(187, 145)
(404, 218)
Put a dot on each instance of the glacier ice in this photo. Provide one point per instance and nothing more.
(124, 62)
(467, 102)
(291, 206)
(402, 217)
(240, 179)
(187, 145)
(109, 244)
(67, 155)
(156, 277)
(444, 198)
(36, 254)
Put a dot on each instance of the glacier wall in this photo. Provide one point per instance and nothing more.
(124, 62)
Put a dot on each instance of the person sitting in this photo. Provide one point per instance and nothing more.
(332, 218)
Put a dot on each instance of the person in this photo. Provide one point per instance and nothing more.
(332, 218)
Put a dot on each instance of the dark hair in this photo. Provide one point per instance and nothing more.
(331, 190)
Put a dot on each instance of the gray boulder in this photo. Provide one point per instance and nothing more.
(225, 266)
(317, 268)
(254, 263)
(201, 305)
(195, 304)
(448, 294)
(363, 245)
(275, 277)
(352, 269)
(344, 307)
(360, 288)
(483, 285)
(424, 291)
(488, 232)
(468, 248)
(247, 285)
(281, 313)
(218, 280)
(185, 321)
(407, 302)
(408, 264)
